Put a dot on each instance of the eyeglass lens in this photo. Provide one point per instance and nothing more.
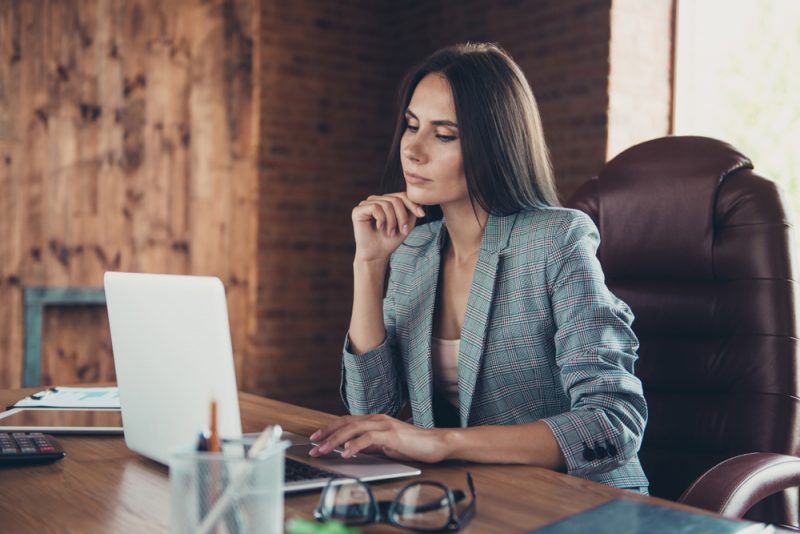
(422, 506)
(348, 500)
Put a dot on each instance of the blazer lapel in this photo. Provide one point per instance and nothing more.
(479, 306)
(420, 379)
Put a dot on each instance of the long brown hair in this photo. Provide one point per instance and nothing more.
(506, 161)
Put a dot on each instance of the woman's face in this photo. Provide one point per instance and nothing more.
(430, 149)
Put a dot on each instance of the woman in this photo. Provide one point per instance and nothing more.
(497, 325)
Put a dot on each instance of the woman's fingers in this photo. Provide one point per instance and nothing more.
(383, 213)
(413, 207)
(367, 211)
(367, 440)
(346, 429)
(343, 435)
(378, 434)
(401, 213)
(391, 217)
(398, 209)
(321, 434)
(387, 442)
(396, 213)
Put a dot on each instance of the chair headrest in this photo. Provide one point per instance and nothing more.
(655, 206)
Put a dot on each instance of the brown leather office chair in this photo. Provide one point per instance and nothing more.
(733, 486)
(698, 245)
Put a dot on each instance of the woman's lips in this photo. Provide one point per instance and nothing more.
(415, 178)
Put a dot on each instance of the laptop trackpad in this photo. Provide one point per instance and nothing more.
(332, 459)
(363, 466)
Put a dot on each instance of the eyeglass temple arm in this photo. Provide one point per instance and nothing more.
(469, 511)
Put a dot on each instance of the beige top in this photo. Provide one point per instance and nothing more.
(444, 353)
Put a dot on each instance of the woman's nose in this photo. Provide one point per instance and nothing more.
(414, 151)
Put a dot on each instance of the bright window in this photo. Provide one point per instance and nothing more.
(737, 78)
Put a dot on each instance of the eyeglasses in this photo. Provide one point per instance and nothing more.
(425, 505)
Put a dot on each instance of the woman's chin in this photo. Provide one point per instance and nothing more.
(419, 197)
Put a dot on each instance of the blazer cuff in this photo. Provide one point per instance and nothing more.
(364, 388)
(586, 443)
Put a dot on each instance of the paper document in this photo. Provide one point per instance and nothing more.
(61, 397)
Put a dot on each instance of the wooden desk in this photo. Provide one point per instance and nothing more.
(101, 486)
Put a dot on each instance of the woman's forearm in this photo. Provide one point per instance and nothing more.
(529, 443)
(367, 329)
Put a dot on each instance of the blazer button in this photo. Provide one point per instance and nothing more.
(612, 450)
(600, 450)
(588, 454)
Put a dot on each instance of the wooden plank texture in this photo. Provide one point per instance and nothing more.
(101, 486)
(127, 142)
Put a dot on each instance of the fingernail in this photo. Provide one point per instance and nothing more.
(405, 228)
(315, 435)
(314, 451)
(346, 453)
(420, 212)
(324, 447)
(392, 232)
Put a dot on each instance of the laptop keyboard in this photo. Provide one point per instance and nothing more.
(297, 471)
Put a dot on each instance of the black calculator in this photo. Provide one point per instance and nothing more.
(17, 448)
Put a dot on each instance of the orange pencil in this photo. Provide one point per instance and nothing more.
(214, 446)
(213, 439)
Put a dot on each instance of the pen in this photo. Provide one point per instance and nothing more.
(202, 441)
(214, 445)
(213, 438)
(43, 394)
(203, 497)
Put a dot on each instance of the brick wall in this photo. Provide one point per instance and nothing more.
(329, 73)
(325, 127)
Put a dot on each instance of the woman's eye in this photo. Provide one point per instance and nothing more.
(446, 138)
(412, 128)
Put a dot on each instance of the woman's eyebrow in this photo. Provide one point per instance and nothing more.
(441, 122)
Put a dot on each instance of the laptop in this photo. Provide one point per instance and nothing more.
(172, 353)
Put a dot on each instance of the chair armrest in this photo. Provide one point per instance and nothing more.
(732, 487)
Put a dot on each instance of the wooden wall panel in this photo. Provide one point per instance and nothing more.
(127, 142)
(76, 346)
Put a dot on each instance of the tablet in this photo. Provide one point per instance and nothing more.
(61, 421)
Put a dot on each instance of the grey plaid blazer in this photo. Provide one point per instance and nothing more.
(543, 339)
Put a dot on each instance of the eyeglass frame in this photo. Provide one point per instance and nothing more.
(384, 511)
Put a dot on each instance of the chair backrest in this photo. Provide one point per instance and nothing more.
(699, 246)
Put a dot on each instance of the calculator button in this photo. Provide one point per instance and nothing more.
(21, 447)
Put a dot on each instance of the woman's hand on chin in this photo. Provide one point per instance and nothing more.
(381, 223)
(380, 434)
